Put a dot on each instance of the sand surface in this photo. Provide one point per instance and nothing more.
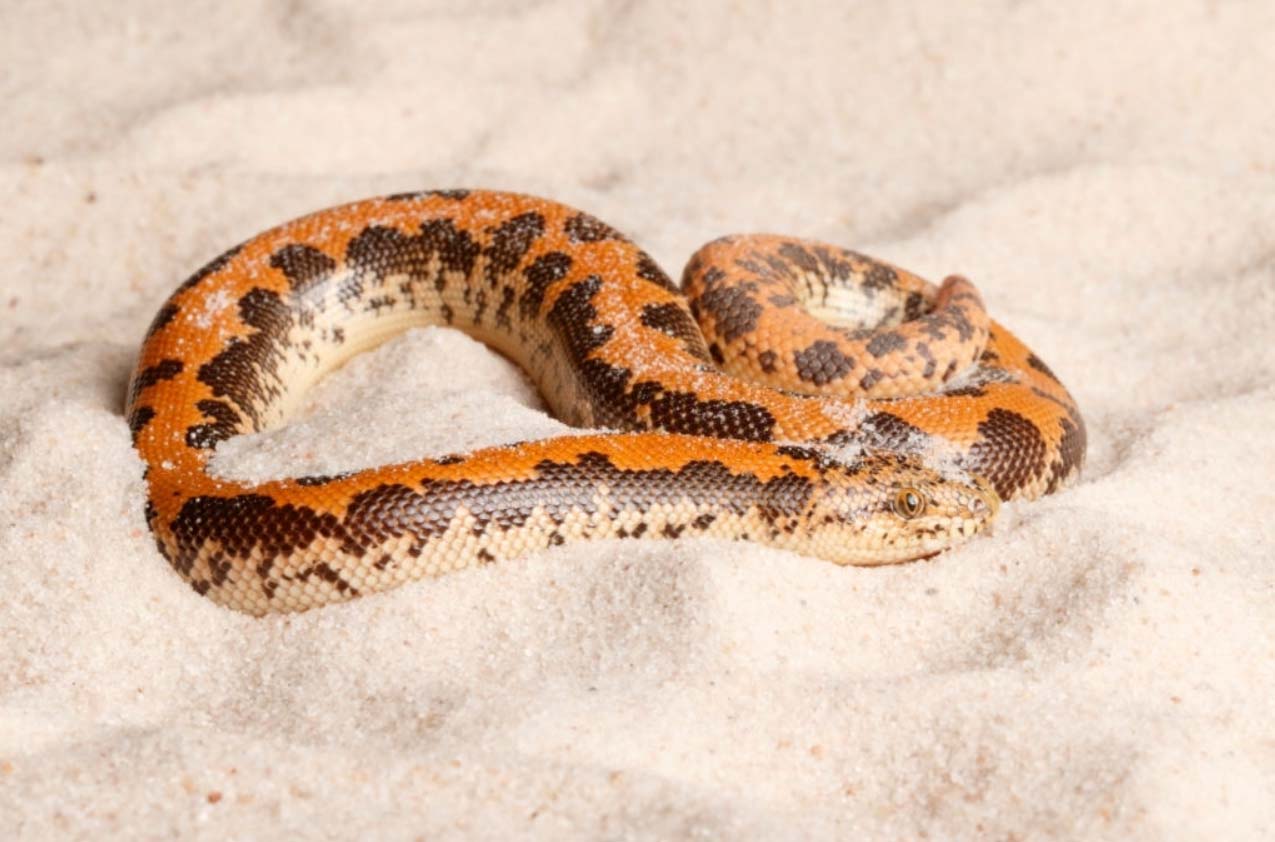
(1102, 667)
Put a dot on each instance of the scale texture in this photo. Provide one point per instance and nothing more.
(790, 392)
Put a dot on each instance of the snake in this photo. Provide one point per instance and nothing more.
(788, 392)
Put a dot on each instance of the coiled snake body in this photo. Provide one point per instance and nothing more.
(825, 402)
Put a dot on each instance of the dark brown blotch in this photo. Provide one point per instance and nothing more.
(886, 431)
(965, 392)
(879, 276)
(543, 272)
(322, 479)
(379, 252)
(163, 370)
(224, 424)
(165, 315)
(392, 510)
(322, 570)
(575, 320)
(734, 310)
(885, 342)
(606, 389)
(1071, 453)
(673, 319)
(1010, 451)
(1039, 365)
(244, 522)
(931, 364)
(584, 228)
(246, 370)
(797, 254)
(510, 242)
(835, 263)
(872, 378)
(685, 412)
(648, 270)
(914, 306)
(304, 266)
(138, 419)
(416, 195)
(507, 298)
(822, 363)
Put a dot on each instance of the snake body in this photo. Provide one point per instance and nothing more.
(790, 392)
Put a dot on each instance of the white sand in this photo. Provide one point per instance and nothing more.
(1103, 667)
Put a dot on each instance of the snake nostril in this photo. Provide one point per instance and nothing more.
(986, 503)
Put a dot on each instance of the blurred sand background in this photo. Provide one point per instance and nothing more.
(1102, 667)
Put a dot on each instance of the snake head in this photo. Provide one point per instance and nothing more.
(890, 507)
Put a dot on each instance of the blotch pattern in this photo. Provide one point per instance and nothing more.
(827, 353)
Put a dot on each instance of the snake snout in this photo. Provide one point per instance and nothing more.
(986, 502)
(983, 506)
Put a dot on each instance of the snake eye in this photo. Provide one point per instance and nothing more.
(908, 503)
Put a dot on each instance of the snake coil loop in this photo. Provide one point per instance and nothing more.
(789, 392)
